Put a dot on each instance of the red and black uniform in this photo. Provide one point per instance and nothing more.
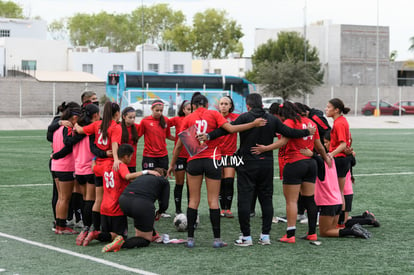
(155, 147)
(132, 166)
(340, 133)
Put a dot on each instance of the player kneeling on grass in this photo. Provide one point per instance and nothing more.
(137, 201)
(114, 222)
(328, 198)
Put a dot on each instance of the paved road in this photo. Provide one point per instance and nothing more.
(386, 122)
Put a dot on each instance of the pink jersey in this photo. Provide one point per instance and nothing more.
(348, 190)
(67, 163)
(327, 192)
(83, 157)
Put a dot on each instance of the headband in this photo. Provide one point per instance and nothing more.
(157, 103)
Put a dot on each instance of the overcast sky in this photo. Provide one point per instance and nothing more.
(397, 14)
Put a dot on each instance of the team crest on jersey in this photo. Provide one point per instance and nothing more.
(151, 124)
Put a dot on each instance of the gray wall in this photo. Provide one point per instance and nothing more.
(28, 97)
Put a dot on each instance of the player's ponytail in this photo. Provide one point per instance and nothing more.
(339, 104)
(110, 110)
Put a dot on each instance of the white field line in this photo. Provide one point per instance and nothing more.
(86, 257)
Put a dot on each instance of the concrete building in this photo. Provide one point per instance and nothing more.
(231, 66)
(348, 53)
(22, 28)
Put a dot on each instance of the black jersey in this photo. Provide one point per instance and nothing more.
(152, 188)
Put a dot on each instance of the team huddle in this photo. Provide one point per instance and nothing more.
(97, 186)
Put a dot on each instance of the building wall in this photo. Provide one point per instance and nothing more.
(165, 60)
(50, 55)
(231, 66)
(102, 62)
(20, 28)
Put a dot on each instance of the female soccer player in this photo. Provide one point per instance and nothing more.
(299, 172)
(181, 165)
(228, 148)
(340, 140)
(64, 169)
(130, 134)
(155, 130)
(203, 164)
(107, 138)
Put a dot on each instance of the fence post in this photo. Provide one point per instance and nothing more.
(20, 99)
(356, 100)
(53, 98)
(332, 92)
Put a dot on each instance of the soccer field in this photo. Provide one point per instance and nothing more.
(383, 185)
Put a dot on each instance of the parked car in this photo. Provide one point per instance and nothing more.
(267, 101)
(143, 107)
(385, 108)
(407, 105)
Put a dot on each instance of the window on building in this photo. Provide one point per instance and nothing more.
(29, 65)
(4, 33)
(178, 68)
(87, 68)
(118, 68)
(217, 71)
(153, 67)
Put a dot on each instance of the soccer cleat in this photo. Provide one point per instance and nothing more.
(92, 235)
(244, 241)
(281, 219)
(264, 240)
(302, 219)
(222, 213)
(275, 220)
(190, 243)
(361, 232)
(165, 215)
(311, 237)
(285, 239)
(228, 214)
(65, 231)
(54, 226)
(219, 244)
(115, 245)
(371, 216)
(156, 238)
(70, 223)
(82, 235)
(79, 224)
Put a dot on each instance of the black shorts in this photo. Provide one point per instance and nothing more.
(348, 202)
(181, 164)
(300, 171)
(132, 169)
(343, 164)
(204, 166)
(98, 181)
(65, 176)
(116, 224)
(149, 163)
(142, 210)
(83, 179)
(330, 210)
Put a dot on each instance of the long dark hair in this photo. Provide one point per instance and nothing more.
(87, 113)
(163, 123)
(337, 103)
(71, 109)
(110, 110)
(231, 102)
(125, 134)
(288, 110)
(182, 106)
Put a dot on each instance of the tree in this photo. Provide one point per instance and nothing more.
(285, 58)
(214, 35)
(58, 29)
(10, 9)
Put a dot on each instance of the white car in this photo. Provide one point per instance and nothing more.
(143, 107)
(267, 101)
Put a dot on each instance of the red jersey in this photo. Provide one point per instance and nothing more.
(177, 122)
(133, 162)
(281, 157)
(206, 121)
(292, 153)
(114, 134)
(114, 184)
(340, 133)
(154, 137)
(229, 142)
